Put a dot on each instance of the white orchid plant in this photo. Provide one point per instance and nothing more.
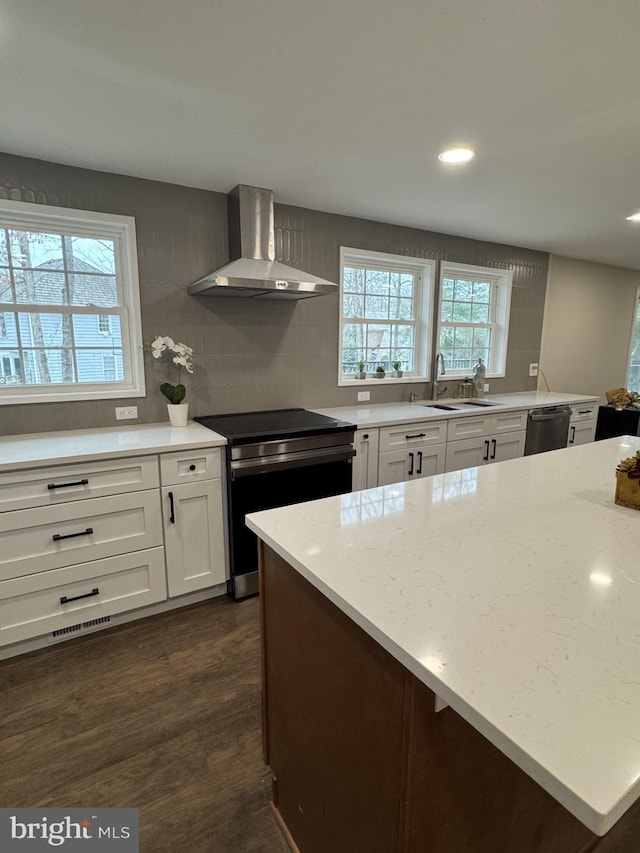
(182, 357)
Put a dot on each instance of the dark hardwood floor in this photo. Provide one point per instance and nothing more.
(162, 714)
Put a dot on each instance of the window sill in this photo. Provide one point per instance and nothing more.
(388, 380)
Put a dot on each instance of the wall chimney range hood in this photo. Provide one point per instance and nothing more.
(253, 271)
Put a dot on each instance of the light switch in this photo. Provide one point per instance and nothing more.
(363, 396)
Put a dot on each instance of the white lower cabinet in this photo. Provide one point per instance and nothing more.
(424, 460)
(83, 542)
(469, 452)
(581, 432)
(57, 599)
(582, 426)
(193, 535)
(365, 462)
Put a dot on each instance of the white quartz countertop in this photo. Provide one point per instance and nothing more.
(374, 415)
(512, 591)
(51, 448)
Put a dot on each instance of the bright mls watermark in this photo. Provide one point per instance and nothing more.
(103, 830)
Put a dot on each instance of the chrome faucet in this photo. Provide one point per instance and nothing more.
(439, 370)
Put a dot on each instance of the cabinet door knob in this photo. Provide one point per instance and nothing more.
(192, 467)
(366, 435)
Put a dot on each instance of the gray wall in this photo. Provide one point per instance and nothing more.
(250, 355)
(587, 326)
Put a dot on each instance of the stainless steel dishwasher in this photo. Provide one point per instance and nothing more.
(547, 429)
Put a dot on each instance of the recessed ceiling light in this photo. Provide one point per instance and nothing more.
(635, 217)
(456, 156)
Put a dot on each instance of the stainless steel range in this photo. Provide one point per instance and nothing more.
(274, 458)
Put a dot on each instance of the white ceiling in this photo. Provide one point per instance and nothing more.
(343, 105)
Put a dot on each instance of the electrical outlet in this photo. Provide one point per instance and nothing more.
(533, 369)
(363, 396)
(125, 413)
(485, 387)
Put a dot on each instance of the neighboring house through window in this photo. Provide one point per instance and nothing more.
(387, 303)
(68, 281)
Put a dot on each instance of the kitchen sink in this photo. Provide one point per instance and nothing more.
(478, 403)
(438, 406)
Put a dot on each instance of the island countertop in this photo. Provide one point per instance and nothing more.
(512, 592)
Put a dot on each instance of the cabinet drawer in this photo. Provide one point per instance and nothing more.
(469, 427)
(585, 412)
(408, 435)
(117, 525)
(190, 466)
(489, 424)
(61, 483)
(31, 606)
(508, 421)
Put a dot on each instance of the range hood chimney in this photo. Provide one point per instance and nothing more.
(253, 271)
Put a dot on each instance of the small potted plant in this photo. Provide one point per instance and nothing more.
(361, 374)
(177, 408)
(380, 372)
(397, 369)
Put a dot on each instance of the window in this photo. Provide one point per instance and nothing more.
(473, 318)
(104, 324)
(633, 372)
(70, 305)
(386, 304)
(3, 327)
(109, 368)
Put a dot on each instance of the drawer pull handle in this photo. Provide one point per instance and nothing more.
(83, 482)
(573, 435)
(410, 471)
(417, 435)
(584, 411)
(172, 516)
(65, 599)
(419, 471)
(485, 458)
(192, 467)
(57, 537)
(495, 444)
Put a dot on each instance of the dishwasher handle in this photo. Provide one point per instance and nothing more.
(551, 412)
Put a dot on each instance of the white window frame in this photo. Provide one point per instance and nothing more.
(502, 281)
(425, 271)
(120, 229)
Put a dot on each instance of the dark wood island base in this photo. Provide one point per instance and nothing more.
(361, 761)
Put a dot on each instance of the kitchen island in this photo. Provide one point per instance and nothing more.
(453, 664)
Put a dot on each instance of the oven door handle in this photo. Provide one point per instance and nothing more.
(249, 467)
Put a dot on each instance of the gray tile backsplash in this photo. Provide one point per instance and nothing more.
(250, 354)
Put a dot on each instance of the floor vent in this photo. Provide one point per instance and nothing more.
(77, 629)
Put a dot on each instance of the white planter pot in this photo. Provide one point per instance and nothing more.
(178, 414)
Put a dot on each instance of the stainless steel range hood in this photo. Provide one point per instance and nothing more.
(254, 272)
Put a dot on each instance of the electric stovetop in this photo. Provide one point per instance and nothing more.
(244, 427)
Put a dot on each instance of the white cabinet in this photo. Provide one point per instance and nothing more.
(192, 508)
(485, 439)
(582, 426)
(78, 543)
(55, 600)
(495, 423)
(411, 451)
(406, 436)
(83, 542)
(365, 462)
(423, 460)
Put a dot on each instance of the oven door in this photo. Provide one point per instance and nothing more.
(260, 484)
